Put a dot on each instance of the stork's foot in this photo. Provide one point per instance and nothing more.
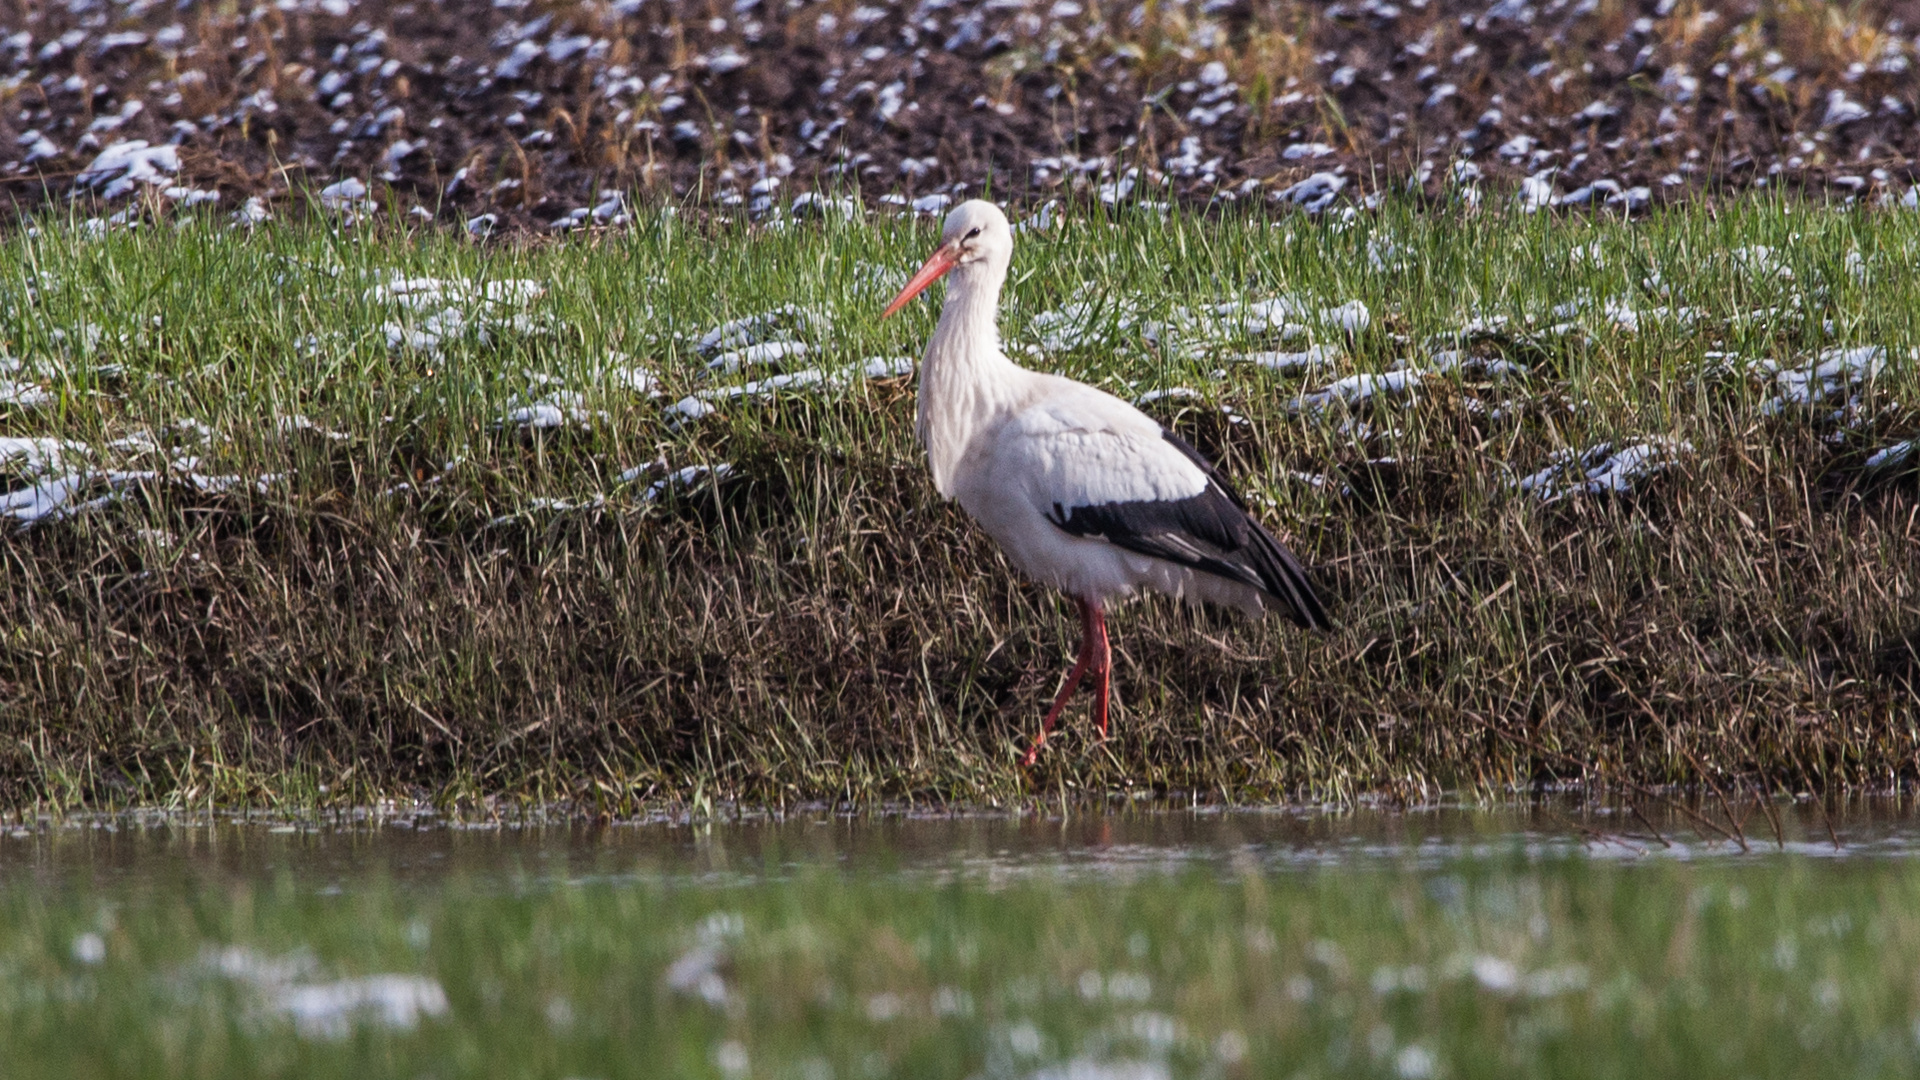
(1096, 657)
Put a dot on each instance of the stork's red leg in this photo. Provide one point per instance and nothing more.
(1102, 657)
(1090, 619)
(1096, 656)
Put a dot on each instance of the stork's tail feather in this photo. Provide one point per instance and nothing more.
(1286, 580)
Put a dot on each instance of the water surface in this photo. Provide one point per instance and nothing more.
(1552, 938)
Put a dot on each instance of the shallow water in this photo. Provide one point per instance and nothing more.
(420, 848)
(1552, 938)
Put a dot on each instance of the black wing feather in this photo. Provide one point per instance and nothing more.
(1211, 532)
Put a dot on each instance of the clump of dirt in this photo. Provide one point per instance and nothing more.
(549, 114)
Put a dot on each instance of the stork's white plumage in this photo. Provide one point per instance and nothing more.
(1081, 490)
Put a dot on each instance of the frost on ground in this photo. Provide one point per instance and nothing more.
(291, 987)
(1604, 468)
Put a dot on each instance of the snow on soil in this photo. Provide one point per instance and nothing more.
(1604, 468)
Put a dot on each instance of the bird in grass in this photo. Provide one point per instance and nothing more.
(1083, 492)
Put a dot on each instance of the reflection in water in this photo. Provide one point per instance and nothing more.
(332, 853)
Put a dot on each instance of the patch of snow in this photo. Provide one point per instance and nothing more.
(1315, 193)
(253, 212)
(936, 203)
(1305, 362)
(1842, 110)
(692, 407)
(1761, 261)
(781, 322)
(287, 425)
(1082, 323)
(1888, 457)
(424, 293)
(53, 498)
(887, 367)
(559, 408)
(627, 375)
(125, 165)
(1415, 1062)
(679, 479)
(1170, 393)
(1590, 193)
(22, 394)
(515, 64)
(765, 354)
(1834, 373)
(1536, 192)
(465, 307)
(813, 204)
(347, 196)
(1603, 468)
(1517, 147)
(38, 455)
(1042, 220)
(1447, 361)
(1383, 255)
(1285, 316)
(1355, 389)
(705, 402)
(1274, 315)
(1352, 316)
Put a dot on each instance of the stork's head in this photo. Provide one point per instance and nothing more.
(975, 240)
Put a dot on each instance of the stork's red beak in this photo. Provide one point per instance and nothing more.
(944, 258)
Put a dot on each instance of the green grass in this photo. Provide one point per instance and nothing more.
(560, 960)
(401, 608)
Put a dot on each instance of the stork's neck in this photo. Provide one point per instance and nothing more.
(966, 383)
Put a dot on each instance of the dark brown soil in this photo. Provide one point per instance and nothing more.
(704, 101)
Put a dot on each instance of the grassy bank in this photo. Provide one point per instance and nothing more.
(330, 532)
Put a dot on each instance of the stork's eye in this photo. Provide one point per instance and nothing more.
(973, 232)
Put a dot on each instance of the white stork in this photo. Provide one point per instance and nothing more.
(1081, 490)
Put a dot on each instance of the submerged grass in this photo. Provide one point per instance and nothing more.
(1499, 965)
(336, 556)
